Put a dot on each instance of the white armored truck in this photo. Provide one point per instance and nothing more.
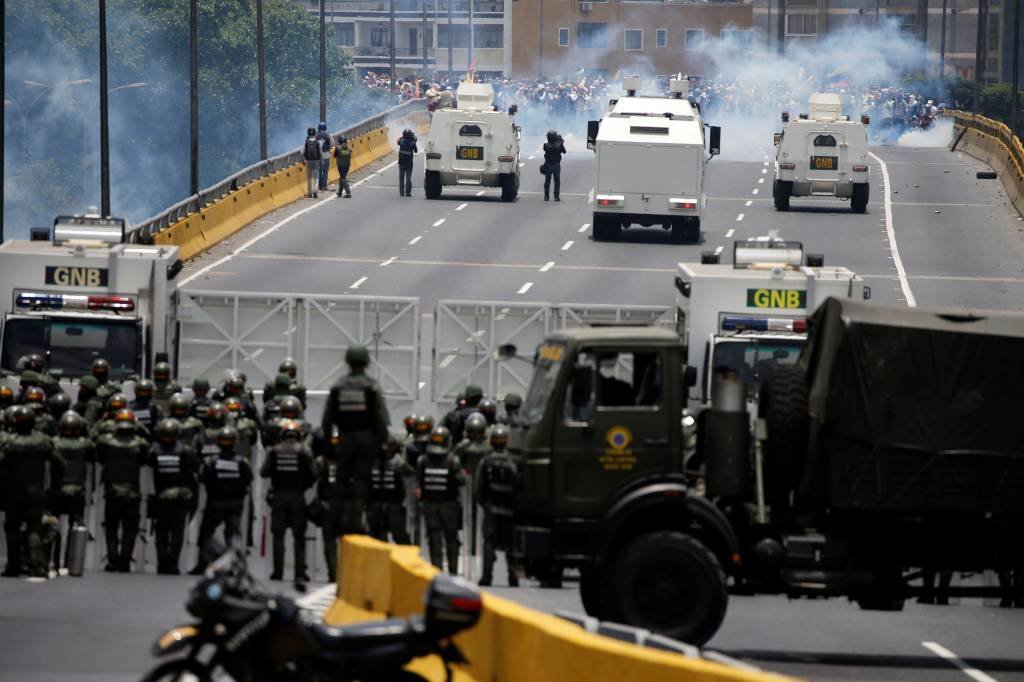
(473, 144)
(822, 153)
(84, 294)
(650, 163)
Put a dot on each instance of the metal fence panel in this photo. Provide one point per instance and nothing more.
(224, 331)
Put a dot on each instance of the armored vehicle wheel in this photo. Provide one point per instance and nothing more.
(669, 583)
(685, 231)
(781, 191)
(613, 228)
(606, 228)
(432, 184)
(783, 405)
(880, 602)
(591, 585)
(859, 200)
(509, 187)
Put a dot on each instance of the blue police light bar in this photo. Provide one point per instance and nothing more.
(763, 324)
(36, 300)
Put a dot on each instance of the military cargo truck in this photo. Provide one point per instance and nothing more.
(891, 450)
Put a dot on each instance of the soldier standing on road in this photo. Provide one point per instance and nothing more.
(191, 428)
(106, 387)
(554, 148)
(356, 408)
(455, 420)
(175, 479)
(422, 427)
(226, 478)
(78, 452)
(513, 403)
(163, 385)
(497, 483)
(200, 398)
(122, 454)
(88, 403)
(277, 389)
(326, 452)
(343, 156)
(35, 399)
(289, 466)
(406, 150)
(147, 413)
(386, 511)
(23, 465)
(312, 154)
(471, 452)
(439, 476)
(45, 380)
(324, 138)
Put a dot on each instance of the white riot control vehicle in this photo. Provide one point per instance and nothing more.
(473, 144)
(822, 153)
(85, 295)
(751, 315)
(650, 163)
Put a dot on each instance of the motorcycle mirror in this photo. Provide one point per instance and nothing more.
(452, 605)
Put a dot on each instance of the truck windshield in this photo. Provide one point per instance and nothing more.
(71, 344)
(753, 358)
(547, 363)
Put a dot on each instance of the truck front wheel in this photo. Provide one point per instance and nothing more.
(781, 191)
(432, 184)
(667, 582)
(859, 199)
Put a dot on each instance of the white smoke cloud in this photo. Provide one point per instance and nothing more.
(939, 135)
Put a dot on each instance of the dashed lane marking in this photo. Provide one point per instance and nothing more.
(890, 231)
(389, 261)
(954, 660)
(584, 227)
(448, 359)
(750, 202)
(755, 191)
(318, 601)
(566, 246)
(461, 206)
(443, 263)
(526, 287)
(415, 239)
(718, 250)
(547, 266)
(739, 218)
(764, 170)
(729, 233)
(439, 223)
(760, 181)
(358, 283)
(521, 164)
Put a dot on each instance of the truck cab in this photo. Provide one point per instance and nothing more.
(85, 295)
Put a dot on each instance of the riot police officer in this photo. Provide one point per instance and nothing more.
(105, 386)
(122, 454)
(489, 409)
(226, 478)
(248, 431)
(513, 403)
(175, 479)
(88, 404)
(78, 453)
(44, 380)
(200, 398)
(325, 451)
(25, 456)
(289, 466)
(356, 408)
(439, 475)
(34, 398)
(385, 512)
(278, 388)
(289, 409)
(455, 420)
(406, 151)
(147, 412)
(216, 416)
(497, 483)
(422, 427)
(554, 149)
(474, 446)
(179, 407)
(57, 404)
(6, 397)
(163, 385)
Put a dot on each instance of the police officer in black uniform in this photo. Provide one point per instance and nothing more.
(497, 484)
(163, 385)
(175, 478)
(289, 466)
(406, 150)
(554, 148)
(226, 478)
(439, 476)
(385, 512)
(325, 452)
(122, 454)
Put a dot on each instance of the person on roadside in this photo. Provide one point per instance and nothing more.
(343, 157)
(324, 138)
(312, 155)
(554, 149)
(406, 150)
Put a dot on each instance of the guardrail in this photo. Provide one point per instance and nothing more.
(144, 232)
(997, 129)
(994, 143)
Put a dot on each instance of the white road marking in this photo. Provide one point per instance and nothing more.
(590, 196)
(481, 193)
(439, 223)
(530, 157)
(547, 266)
(750, 202)
(764, 170)
(739, 218)
(422, 384)
(584, 227)
(446, 361)
(904, 284)
(461, 206)
(765, 163)
(954, 660)
(319, 600)
(521, 164)
(415, 239)
(358, 283)
(389, 261)
(502, 315)
(729, 233)
(526, 287)
(755, 191)
(718, 251)
(566, 246)
(760, 181)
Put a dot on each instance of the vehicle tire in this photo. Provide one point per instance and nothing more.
(178, 670)
(669, 583)
(613, 229)
(783, 405)
(508, 187)
(591, 585)
(781, 191)
(432, 184)
(859, 199)
(597, 228)
(881, 601)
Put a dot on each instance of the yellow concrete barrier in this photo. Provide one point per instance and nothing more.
(992, 142)
(510, 642)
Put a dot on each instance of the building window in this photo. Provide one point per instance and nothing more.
(633, 39)
(380, 37)
(591, 34)
(345, 34)
(742, 39)
(908, 24)
(460, 33)
(661, 37)
(488, 35)
(803, 3)
(694, 39)
(563, 37)
(480, 6)
(802, 24)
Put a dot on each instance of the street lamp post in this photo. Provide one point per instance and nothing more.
(980, 53)
(391, 50)
(193, 98)
(1015, 74)
(262, 80)
(23, 113)
(323, 62)
(451, 38)
(104, 123)
(942, 42)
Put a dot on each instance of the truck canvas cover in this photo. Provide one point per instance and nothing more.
(916, 410)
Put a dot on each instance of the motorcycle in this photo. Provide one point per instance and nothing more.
(248, 635)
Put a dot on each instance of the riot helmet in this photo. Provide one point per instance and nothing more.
(22, 419)
(179, 405)
(422, 428)
(291, 407)
(162, 372)
(168, 431)
(124, 421)
(357, 356)
(6, 397)
(288, 367)
(100, 369)
(489, 409)
(144, 390)
(58, 404)
(499, 437)
(33, 396)
(116, 402)
(440, 441)
(71, 425)
(200, 386)
(216, 415)
(476, 427)
(227, 438)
